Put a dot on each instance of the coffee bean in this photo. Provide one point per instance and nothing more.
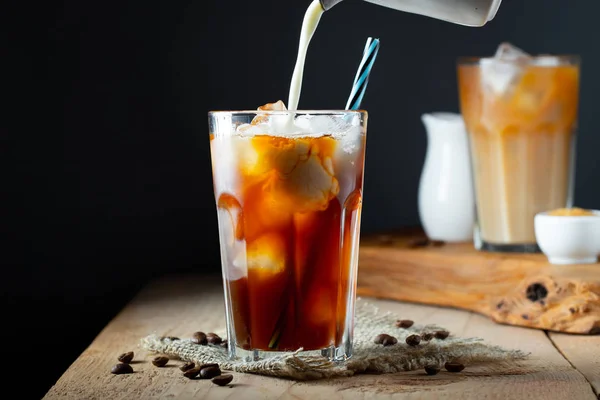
(432, 369)
(224, 344)
(385, 240)
(413, 340)
(389, 341)
(441, 335)
(121, 368)
(209, 365)
(222, 380)
(427, 337)
(404, 323)
(213, 338)
(192, 372)
(199, 338)
(126, 357)
(380, 338)
(210, 372)
(418, 242)
(454, 367)
(187, 365)
(160, 361)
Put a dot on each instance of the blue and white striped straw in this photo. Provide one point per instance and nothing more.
(362, 75)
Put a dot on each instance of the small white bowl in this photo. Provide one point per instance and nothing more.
(569, 239)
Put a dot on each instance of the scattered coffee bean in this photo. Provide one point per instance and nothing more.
(213, 338)
(413, 340)
(418, 242)
(192, 372)
(380, 338)
(169, 337)
(404, 323)
(441, 335)
(427, 336)
(199, 338)
(432, 369)
(437, 243)
(187, 365)
(222, 380)
(210, 372)
(454, 367)
(208, 365)
(160, 361)
(121, 368)
(224, 344)
(126, 357)
(386, 239)
(389, 341)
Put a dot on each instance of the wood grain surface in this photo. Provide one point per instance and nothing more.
(583, 352)
(179, 306)
(510, 288)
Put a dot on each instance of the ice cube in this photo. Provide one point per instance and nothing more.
(236, 264)
(547, 61)
(303, 123)
(233, 209)
(253, 129)
(310, 185)
(231, 235)
(267, 252)
(261, 118)
(296, 171)
(279, 105)
(501, 73)
(507, 51)
(223, 158)
(350, 140)
(319, 125)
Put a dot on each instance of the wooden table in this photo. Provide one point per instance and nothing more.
(562, 366)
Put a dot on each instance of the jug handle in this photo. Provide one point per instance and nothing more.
(327, 4)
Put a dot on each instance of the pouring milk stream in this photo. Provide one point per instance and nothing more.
(474, 13)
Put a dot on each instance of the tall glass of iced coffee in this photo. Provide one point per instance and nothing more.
(288, 187)
(521, 115)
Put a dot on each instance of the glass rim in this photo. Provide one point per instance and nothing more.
(288, 112)
(538, 59)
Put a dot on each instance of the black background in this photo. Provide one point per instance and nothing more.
(107, 171)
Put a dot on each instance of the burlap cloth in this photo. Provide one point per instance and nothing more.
(368, 356)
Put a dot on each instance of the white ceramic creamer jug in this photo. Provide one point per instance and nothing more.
(462, 12)
(446, 196)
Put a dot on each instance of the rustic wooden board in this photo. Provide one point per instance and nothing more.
(510, 288)
(183, 305)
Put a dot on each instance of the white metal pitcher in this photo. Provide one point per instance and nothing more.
(462, 12)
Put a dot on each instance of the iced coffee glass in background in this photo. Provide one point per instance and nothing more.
(521, 115)
(288, 187)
